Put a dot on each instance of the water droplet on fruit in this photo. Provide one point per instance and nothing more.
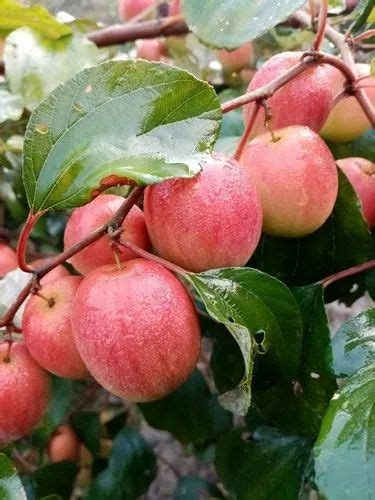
(42, 128)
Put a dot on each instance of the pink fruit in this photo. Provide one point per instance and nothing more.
(24, 392)
(175, 8)
(305, 100)
(136, 329)
(361, 174)
(63, 445)
(213, 220)
(127, 9)
(151, 50)
(237, 59)
(347, 120)
(85, 219)
(47, 329)
(8, 259)
(54, 274)
(296, 178)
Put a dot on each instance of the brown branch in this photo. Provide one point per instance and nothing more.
(366, 266)
(245, 136)
(322, 22)
(363, 36)
(114, 223)
(121, 33)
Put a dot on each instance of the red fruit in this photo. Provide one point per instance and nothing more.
(63, 445)
(47, 329)
(54, 274)
(136, 329)
(213, 220)
(347, 120)
(8, 259)
(237, 59)
(151, 50)
(361, 174)
(24, 392)
(296, 178)
(175, 8)
(305, 100)
(85, 219)
(131, 8)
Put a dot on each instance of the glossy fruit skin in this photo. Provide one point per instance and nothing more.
(8, 259)
(56, 273)
(127, 9)
(236, 59)
(87, 218)
(347, 121)
(24, 392)
(361, 174)
(150, 50)
(63, 445)
(136, 329)
(305, 100)
(47, 329)
(296, 178)
(213, 220)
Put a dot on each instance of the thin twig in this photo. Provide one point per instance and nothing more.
(245, 136)
(366, 266)
(323, 13)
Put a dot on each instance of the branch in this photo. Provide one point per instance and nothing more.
(121, 33)
(322, 22)
(114, 223)
(363, 36)
(367, 266)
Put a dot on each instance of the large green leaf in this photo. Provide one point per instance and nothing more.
(35, 65)
(353, 345)
(55, 479)
(344, 453)
(299, 408)
(194, 487)
(131, 468)
(191, 414)
(233, 22)
(342, 242)
(267, 465)
(88, 427)
(123, 121)
(10, 484)
(248, 302)
(14, 15)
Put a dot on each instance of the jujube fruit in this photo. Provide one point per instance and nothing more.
(210, 221)
(305, 100)
(87, 218)
(24, 392)
(136, 329)
(361, 174)
(296, 178)
(47, 328)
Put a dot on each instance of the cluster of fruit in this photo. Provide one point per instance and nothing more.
(134, 327)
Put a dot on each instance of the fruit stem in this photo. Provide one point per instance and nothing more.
(22, 242)
(50, 302)
(322, 22)
(154, 258)
(245, 136)
(366, 266)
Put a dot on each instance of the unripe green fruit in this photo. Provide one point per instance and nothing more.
(361, 174)
(136, 329)
(305, 100)
(47, 329)
(296, 178)
(24, 392)
(213, 220)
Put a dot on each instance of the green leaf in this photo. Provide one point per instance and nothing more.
(11, 107)
(14, 15)
(88, 427)
(213, 22)
(10, 484)
(55, 479)
(131, 468)
(344, 453)
(266, 465)
(300, 408)
(342, 242)
(35, 65)
(120, 120)
(363, 13)
(353, 345)
(248, 302)
(194, 487)
(191, 414)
